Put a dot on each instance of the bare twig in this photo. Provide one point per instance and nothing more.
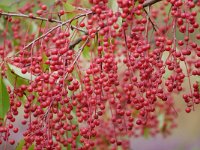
(77, 41)
(150, 2)
(73, 44)
(149, 18)
(27, 16)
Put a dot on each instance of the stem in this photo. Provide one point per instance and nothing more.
(27, 16)
(150, 2)
(78, 55)
(149, 19)
(54, 28)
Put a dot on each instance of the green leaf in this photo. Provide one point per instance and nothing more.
(14, 79)
(4, 99)
(146, 132)
(21, 144)
(34, 27)
(161, 119)
(198, 85)
(18, 72)
(70, 13)
(113, 5)
(5, 7)
(1, 26)
(68, 7)
(31, 147)
(44, 65)
(86, 53)
(7, 83)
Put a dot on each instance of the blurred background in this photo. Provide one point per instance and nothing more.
(185, 137)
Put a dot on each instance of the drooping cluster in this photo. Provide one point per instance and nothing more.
(92, 75)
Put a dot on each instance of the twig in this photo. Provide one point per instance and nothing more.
(54, 28)
(78, 55)
(77, 41)
(153, 25)
(73, 44)
(150, 2)
(38, 18)
(27, 16)
(74, 27)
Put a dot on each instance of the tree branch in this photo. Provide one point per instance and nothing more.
(37, 18)
(150, 2)
(54, 28)
(27, 16)
(77, 41)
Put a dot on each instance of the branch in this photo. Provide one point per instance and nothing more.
(54, 28)
(77, 41)
(73, 44)
(78, 55)
(153, 25)
(37, 18)
(150, 2)
(27, 16)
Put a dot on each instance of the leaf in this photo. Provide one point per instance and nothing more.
(34, 27)
(18, 72)
(70, 13)
(86, 52)
(44, 65)
(14, 79)
(113, 5)
(161, 119)
(68, 7)
(198, 85)
(4, 99)
(5, 7)
(7, 83)
(146, 132)
(31, 147)
(21, 144)
(1, 27)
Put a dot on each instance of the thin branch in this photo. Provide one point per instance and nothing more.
(153, 25)
(77, 56)
(150, 2)
(27, 16)
(74, 27)
(37, 18)
(77, 41)
(74, 43)
(54, 28)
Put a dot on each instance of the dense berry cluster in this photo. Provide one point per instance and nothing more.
(92, 75)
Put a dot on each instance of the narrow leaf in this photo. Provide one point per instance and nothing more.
(4, 99)
(86, 52)
(18, 72)
(161, 119)
(5, 8)
(68, 7)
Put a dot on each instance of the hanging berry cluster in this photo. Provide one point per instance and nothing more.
(92, 74)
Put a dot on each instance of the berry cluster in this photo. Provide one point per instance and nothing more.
(92, 75)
